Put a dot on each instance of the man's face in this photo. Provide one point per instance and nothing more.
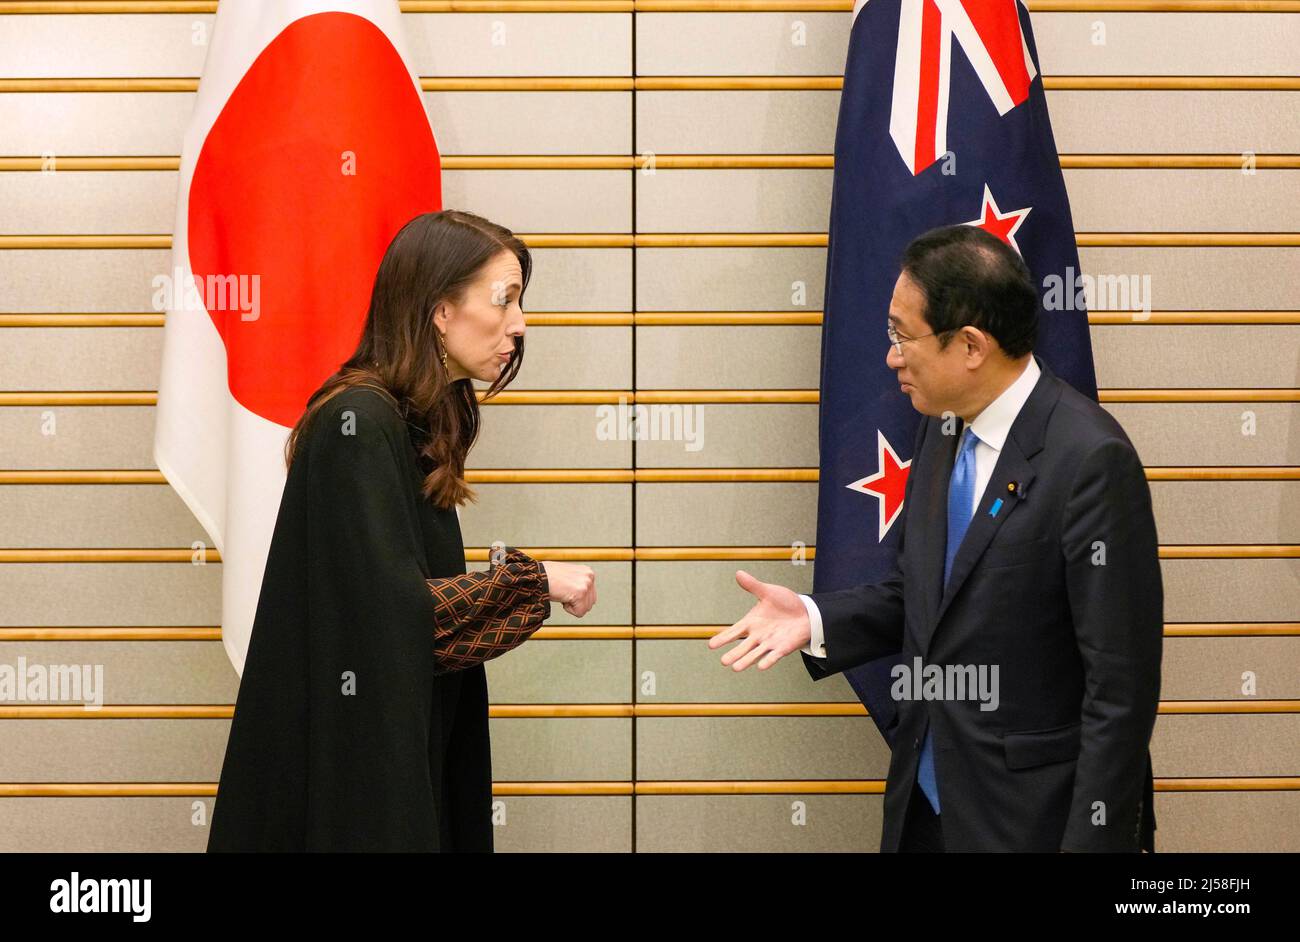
(934, 379)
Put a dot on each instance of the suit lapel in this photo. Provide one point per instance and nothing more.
(1024, 441)
(934, 497)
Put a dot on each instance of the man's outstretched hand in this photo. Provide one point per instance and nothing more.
(777, 625)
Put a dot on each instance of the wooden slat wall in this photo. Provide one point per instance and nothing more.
(670, 162)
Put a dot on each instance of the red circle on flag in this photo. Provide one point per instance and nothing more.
(320, 155)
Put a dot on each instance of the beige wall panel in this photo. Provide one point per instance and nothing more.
(1083, 122)
(1246, 43)
(140, 672)
(114, 124)
(80, 280)
(736, 122)
(1212, 668)
(111, 280)
(1195, 745)
(498, 43)
(707, 514)
(119, 437)
(733, 201)
(1231, 589)
(97, 594)
(549, 515)
(1211, 433)
(105, 45)
(544, 200)
(576, 671)
(562, 749)
(81, 358)
(704, 592)
(689, 672)
(104, 825)
(777, 435)
(129, 358)
(1196, 355)
(88, 201)
(1183, 200)
(1174, 122)
(530, 122)
(589, 824)
(749, 824)
(115, 515)
(802, 43)
(1227, 822)
(759, 747)
(546, 436)
(1227, 511)
(749, 357)
(103, 750)
(729, 279)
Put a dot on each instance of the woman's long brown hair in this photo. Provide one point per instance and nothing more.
(433, 258)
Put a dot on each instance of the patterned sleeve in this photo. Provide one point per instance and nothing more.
(482, 615)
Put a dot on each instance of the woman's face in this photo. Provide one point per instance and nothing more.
(480, 331)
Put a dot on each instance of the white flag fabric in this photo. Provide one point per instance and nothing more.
(308, 149)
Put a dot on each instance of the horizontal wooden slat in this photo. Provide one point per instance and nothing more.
(629, 83)
(503, 789)
(585, 632)
(661, 396)
(690, 318)
(644, 475)
(685, 162)
(602, 553)
(661, 6)
(171, 711)
(596, 240)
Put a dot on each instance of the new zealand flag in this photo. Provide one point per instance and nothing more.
(942, 121)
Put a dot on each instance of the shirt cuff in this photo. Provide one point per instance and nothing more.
(817, 645)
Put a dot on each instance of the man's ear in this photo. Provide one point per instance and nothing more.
(979, 345)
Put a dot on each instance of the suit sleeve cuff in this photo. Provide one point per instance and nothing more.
(816, 647)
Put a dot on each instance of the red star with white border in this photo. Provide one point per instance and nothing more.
(1003, 225)
(887, 485)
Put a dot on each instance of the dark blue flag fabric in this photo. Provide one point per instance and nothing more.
(942, 121)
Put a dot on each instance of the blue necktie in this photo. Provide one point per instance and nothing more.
(961, 505)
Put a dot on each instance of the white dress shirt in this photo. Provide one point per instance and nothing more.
(992, 427)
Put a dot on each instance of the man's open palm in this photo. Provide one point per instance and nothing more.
(777, 625)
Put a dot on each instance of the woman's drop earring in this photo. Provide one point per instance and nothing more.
(444, 350)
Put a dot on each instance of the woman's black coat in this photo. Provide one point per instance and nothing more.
(343, 739)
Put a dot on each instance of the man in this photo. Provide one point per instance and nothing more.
(1026, 598)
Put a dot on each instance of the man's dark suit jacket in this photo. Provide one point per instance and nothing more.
(1062, 590)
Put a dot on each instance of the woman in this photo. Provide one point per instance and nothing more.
(362, 717)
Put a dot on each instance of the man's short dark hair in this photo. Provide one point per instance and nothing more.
(969, 276)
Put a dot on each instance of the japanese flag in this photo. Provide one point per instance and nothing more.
(309, 147)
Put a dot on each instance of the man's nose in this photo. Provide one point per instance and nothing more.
(893, 359)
